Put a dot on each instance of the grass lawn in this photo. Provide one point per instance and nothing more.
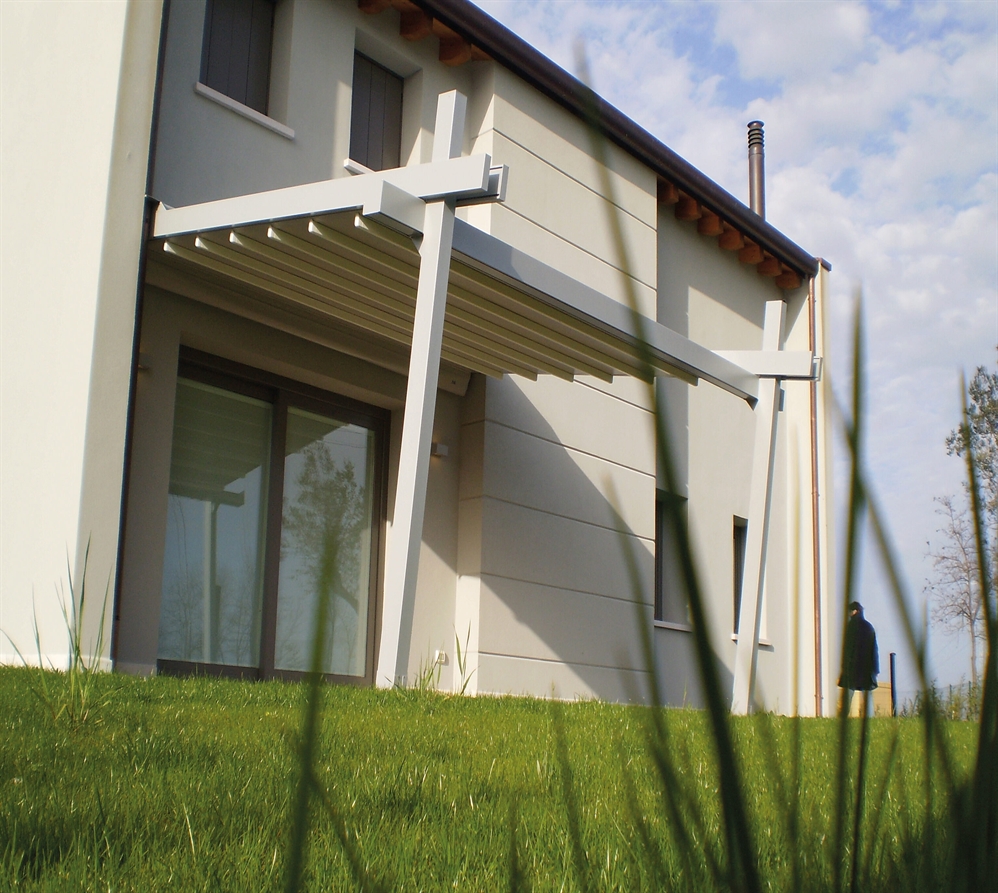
(188, 784)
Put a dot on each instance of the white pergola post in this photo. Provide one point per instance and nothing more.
(757, 536)
(402, 559)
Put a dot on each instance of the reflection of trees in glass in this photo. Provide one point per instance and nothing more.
(324, 522)
(236, 582)
(182, 613)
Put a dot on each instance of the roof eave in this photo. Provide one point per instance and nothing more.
(540, 72)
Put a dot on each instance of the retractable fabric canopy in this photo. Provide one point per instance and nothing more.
(340, 250)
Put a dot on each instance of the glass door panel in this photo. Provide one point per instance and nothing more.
(326, 535)
(213, 562)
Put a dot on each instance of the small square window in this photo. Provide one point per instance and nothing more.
(671, 599)
(236, 49)
(376, 116)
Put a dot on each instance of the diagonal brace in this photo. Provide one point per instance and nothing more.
(760, 503)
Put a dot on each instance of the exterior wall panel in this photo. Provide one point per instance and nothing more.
(520, 472)
(519, 676)
(80, 142)
(577, 416)
(524, 620)
(555, 207)
(556, 606)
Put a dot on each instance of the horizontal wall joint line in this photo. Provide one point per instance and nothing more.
(607, 527)
(565, 446)
(563, 663)
(652, 197)
(566, 589)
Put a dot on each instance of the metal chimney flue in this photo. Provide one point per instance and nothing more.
(756, 169)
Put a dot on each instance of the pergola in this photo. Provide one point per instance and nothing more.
(383, 253)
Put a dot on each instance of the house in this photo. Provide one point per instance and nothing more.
(323, 296)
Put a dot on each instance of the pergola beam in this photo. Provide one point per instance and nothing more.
(402, 560)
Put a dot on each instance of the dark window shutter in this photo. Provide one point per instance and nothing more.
(235, 52)
(376, 115)
(359, 129)
(258, 56)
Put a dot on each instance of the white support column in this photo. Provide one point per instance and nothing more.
(402, 559)
(760, 499)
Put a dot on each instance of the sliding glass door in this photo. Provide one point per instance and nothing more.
(326, 533)
(213, 572)
(274, 526)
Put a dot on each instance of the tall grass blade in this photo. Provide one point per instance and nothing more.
(657, 735)
(857, 505)
(972, 816)
(980, 855)
(635, 814)
(857, 815)
(916, 644)
(83, 663)
(365, 883)
(518, 882)
(877, 795)
(738, 833)
(308, 742)
(572, 812)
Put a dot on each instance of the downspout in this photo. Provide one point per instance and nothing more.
(147, 216)
(815, 514)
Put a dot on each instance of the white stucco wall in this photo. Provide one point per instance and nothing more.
(721, 303)
(543, 588)
(556, 614)
(75, 127)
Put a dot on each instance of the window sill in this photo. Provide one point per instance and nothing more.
(678, 627)
(244, 110)
(763, 643)
(356, 168)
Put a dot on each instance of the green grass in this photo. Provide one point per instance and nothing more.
(188, 784)
(215, 785)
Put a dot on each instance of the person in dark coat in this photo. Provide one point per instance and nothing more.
(860, 658)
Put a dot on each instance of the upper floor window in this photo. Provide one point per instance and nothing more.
(235, 52)
(376, 117)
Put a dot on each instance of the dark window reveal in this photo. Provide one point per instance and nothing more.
(739, 537)
(376, 118)
(235, 52)
(671, 601)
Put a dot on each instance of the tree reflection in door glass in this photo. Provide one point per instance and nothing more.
(213, 557)
(327, 520)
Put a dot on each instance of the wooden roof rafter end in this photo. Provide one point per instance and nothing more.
(415, 24)
(711, 224)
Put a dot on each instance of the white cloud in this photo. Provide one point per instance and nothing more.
(784, 38)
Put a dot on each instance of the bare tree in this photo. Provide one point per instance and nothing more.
(981, 433)
(955, 585)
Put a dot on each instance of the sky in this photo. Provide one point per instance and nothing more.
(882, 157)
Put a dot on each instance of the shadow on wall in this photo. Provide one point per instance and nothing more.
(557, 610)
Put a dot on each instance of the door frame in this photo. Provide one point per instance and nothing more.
(282, 393)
